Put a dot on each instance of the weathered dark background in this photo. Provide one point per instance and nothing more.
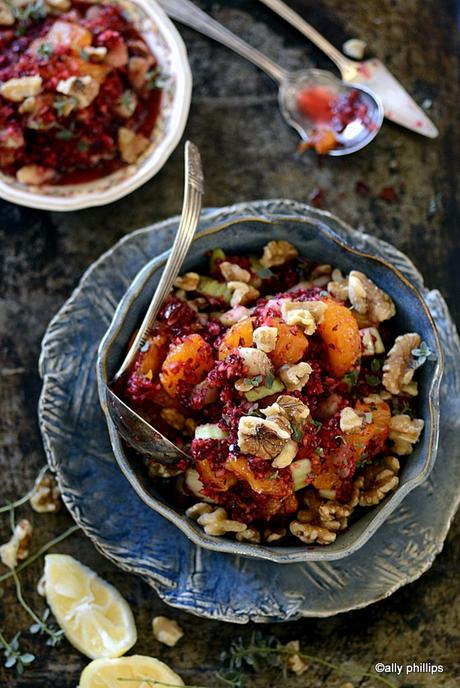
(250, 153)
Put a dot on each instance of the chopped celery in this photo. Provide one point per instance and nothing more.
(216, 255)
(210, 431)
(211, 287)
(264, 391)
(299, 471)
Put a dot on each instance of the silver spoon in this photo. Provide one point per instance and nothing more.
(137, 432)
(354, 136)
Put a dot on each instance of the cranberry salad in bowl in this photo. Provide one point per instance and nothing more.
(93, 98)
(293, 389)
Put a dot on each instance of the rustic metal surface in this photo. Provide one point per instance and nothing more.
(249, 153)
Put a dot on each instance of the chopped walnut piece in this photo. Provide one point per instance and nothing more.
(377, 480)
(274, 535)
(175, 419)
(295, 663)
(6, 15)
(262, 437)
(286, 455)
(242, 293)
(46, 498)
(349, 420)
(249, 535)
(371, 342)
(256, 362)
(327, 513)
(405, 432)
(166, 631)
(317, 309)
(84, 88)
(367, 298)
(311, 533)
(19, 89)
(196, 510)
(17, 548)
(265, 338)
(398, 369)
(126, 105)
(131, 145)
(217, 522)
(34, 175)
(137, 71)
(298, 313)
(234, 315)
(59, 5)
(295, 376)
(187, 282)
(294, 409)
(233, 272)
(95, 54)
(278, 253)
(338, 289)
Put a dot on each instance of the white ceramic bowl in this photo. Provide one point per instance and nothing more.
(164, 40)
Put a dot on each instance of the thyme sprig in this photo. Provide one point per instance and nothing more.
(14, 657)
(23, 500)
(262, 652)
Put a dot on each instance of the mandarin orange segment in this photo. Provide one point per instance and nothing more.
(189, 362)
(69, 34)
(376, 431)
(291, 343)
(240, 334)
(340, 334)
(268, 486)
(154, 356)
(220, 480)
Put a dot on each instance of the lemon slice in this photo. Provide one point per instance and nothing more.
(95, 618)
(106, 673)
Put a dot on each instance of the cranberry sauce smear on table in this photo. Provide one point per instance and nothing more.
(286, 384)
(79, 91)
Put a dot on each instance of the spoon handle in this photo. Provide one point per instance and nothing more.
(187, 13)
(191, 208)
(298, 22)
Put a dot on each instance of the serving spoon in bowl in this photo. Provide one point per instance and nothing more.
(359, 129)
(135, 430)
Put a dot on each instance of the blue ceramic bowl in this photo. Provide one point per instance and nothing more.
(317, 236)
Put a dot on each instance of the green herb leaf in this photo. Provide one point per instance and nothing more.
(64, 135)
(375, 365)
(372, 380)
(421, 354)
(297, 433)
(154, 79)
(317, 423)
(254, 381)
(269, 380)
(319, 451)
(45, 50)
(351, 378)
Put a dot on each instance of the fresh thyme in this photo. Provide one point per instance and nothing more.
(263, 652)
(23, 500)
(421, 354)
(154, 79)
(14, 657)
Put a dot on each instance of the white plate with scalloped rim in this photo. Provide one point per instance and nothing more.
(166, 43)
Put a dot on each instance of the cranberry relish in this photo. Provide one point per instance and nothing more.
(80, 91)
(284, 383)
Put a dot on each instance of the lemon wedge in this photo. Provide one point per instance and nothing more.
(106, 673)
(95, 618)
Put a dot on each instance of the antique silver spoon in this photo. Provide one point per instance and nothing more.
(355, 135)
(137, 432)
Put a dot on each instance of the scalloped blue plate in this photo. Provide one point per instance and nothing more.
(206, 583)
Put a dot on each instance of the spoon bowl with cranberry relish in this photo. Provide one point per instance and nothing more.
(94, 97)
(299, 375)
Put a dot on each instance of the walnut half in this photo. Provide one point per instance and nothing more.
(397, 368)
(405, 432)
(262, 437)
(166, 631)
(367, 298)
(17, 548)
(278, 253)
(377, 480)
